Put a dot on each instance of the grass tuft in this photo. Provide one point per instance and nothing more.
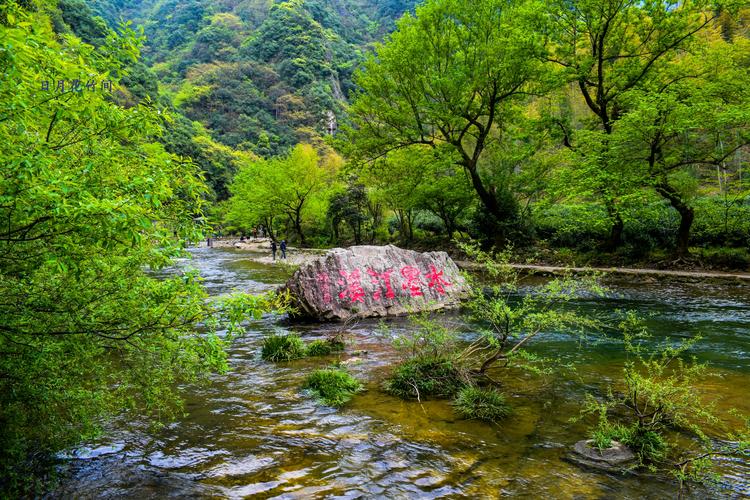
(282, 348)
(481, 404)
(333, 386)
(324, 347)
(425, 377)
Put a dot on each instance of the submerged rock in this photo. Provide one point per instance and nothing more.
(616, 458)
(372, 281)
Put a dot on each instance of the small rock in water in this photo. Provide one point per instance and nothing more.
(616, 458)
(373, 281)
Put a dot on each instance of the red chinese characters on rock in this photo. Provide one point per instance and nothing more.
(436, 280)
(413, 284)
(385, 277)
(352, 282)
(383, 287)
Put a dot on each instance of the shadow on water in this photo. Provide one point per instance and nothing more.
(252, 432)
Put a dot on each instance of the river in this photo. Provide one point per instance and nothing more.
(252, 432)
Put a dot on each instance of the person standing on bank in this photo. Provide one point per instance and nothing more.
(283, 249)
(273, 249)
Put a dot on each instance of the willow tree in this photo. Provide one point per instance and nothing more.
(609, 49)
(449, 78)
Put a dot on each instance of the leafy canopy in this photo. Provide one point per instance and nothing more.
(91, 206)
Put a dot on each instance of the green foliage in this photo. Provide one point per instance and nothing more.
(725, 258)
(663, 89)
(414, 180)
(82, 21)
(333, 386)
(510, 323)
(92, 205)
(654, 400)
(649, 446)
(449, 74)
(426, 377)
(602, 438)
(324, 347)
(293, 186)
(476, 403)
(427, 339)
(351, 206)
(282, 348)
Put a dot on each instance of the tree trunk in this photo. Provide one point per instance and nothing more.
(298, 225)
(335, 227)
(357, 228)
(615, 232)
(401, 223)
(687, 216)
(410, 222)
(268, 221)
(488, 199)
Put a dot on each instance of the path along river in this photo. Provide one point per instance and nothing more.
(252, 432)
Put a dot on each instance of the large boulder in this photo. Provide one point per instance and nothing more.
(371, 281)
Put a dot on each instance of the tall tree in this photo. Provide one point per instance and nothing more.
(609, 48)
(293, 185)
(698, 120)
(448, 78)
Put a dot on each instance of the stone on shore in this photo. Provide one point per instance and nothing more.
(375, 281)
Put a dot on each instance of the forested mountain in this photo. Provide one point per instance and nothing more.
(260, 75)
(257, 76)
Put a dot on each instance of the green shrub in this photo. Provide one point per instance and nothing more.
(422, 377)
(606, 432)
(730, 258)
(282, 348)
(324, 347)
(481, 404)
(601, 439)
(333, 386)
(648, 445)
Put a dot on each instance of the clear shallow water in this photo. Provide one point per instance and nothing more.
(253, 433)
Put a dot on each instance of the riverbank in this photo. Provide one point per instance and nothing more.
(259, 250)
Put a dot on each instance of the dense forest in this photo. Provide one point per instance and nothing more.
(575, 131)
(424, 137)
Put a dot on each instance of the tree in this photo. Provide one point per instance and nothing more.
(90, 202)
(448, 78)
(350, 206)
(609, 49)
(698, 119)
(508, 325)
(396, 180)
(655, 404)
(293, 185)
